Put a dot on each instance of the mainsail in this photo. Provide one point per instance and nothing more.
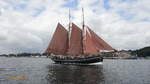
(75, 43)
(100, 43)
(59, 42)
(89, 46)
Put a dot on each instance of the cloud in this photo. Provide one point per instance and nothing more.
(28, 25)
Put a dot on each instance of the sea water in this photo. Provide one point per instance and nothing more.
(25, 70)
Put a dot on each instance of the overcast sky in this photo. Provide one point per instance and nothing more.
(27, 25)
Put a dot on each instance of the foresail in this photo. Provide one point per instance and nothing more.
(99, 42)
(59, 42)
(75, 45)
(88, 44)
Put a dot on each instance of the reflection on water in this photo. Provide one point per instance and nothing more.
(72, 74)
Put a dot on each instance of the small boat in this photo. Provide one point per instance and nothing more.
(76, 45)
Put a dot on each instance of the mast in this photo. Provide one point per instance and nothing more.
(69, 19)
(83, 32)
(69, 30)
(82, 18)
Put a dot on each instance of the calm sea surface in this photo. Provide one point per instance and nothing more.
(43, 71)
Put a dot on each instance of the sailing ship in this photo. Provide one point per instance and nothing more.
(76, 45)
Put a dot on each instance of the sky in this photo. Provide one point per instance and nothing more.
(28, 25)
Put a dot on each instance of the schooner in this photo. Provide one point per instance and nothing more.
(76, 45)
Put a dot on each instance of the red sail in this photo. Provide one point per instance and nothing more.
(75, 47)
(88, 44)
(59, 42)
(100, 43)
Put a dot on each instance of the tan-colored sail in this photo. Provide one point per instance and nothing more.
(99, 42)
(88, 44)
(59, 42)
(75, 46)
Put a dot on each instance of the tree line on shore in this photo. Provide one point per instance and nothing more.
(24, 54)
(143, 52)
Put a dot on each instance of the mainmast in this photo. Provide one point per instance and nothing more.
(82, 18)
(69, 29)
(83, 32)
(69, 20)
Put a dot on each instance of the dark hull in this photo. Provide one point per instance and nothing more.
(78, 61)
